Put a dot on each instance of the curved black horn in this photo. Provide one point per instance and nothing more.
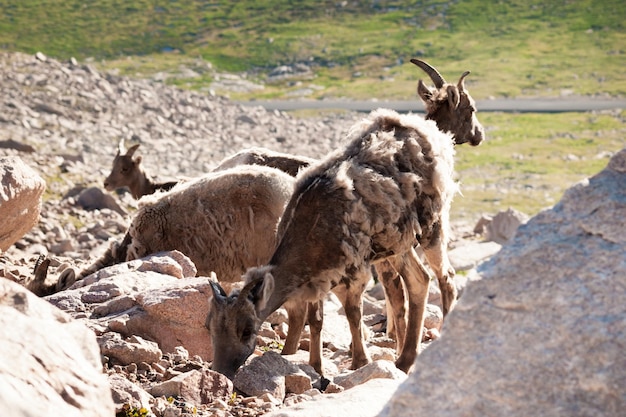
(434, 75)
(461, 84)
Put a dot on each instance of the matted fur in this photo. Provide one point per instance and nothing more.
(388, 189)
(224, 221)
(393, 183)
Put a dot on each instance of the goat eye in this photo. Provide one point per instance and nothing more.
(246, 334)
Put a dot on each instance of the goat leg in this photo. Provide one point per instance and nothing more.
(416, 281)
(316, 320)
(297, 316)
(395, 300)
(437, 258)
(353, 306)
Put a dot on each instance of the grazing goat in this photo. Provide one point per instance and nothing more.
(391, 187)
(128, 172)
(291, 164)
(223, 221)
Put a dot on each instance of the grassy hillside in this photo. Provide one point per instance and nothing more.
(358, 49)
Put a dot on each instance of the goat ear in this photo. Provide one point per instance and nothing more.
(260, 291)
(424, 92)
(454, 97)
(132, 150)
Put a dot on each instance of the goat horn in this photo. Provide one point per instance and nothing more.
(120, 147)
(461, 82)
(434, 75)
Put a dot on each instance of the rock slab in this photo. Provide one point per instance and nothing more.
(49, 363)
(20, 200)
(544, 331)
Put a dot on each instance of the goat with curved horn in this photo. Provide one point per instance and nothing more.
(450, 106)
(434, 75)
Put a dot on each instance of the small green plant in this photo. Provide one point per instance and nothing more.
(273, 345)
(130, 411)
(233, 398)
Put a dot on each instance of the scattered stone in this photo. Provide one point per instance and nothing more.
(266, 374)
(131, 350)
(376, 369)
(503, 226)
(366, 400)
(198, 387)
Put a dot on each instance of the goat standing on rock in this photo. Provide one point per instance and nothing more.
(390, 188)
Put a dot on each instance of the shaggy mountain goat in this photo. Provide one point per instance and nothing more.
(453, 110)
(360, 205)
(223, 221)
(367, 204)
(127, 172)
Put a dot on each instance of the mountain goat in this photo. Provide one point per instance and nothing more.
(128, 172)
(223, 221)
(366, 204)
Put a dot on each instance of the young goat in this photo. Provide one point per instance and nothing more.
(128, 172)
(390, 188)
(223, 221)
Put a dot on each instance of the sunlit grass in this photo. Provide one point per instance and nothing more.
(529, 160)
(513, 48)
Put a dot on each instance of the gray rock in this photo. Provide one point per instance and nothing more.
(502, 227)
(125, 351)
(266, 374)
(168, 309)
(366, 400)
(471, 253)
(21, 189)
(543, 332)
(127, 392)
(199, 387)
(93, 198)
(376, 369)
(49, 363)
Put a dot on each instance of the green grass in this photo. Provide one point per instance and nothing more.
(529, 160)
(513, 48)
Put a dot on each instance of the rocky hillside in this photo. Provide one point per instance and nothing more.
(559, 281)
(65, 120)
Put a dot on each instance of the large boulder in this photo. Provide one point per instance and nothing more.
(20, 200)
(157, 298)
(543, 332)
(49, 363)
